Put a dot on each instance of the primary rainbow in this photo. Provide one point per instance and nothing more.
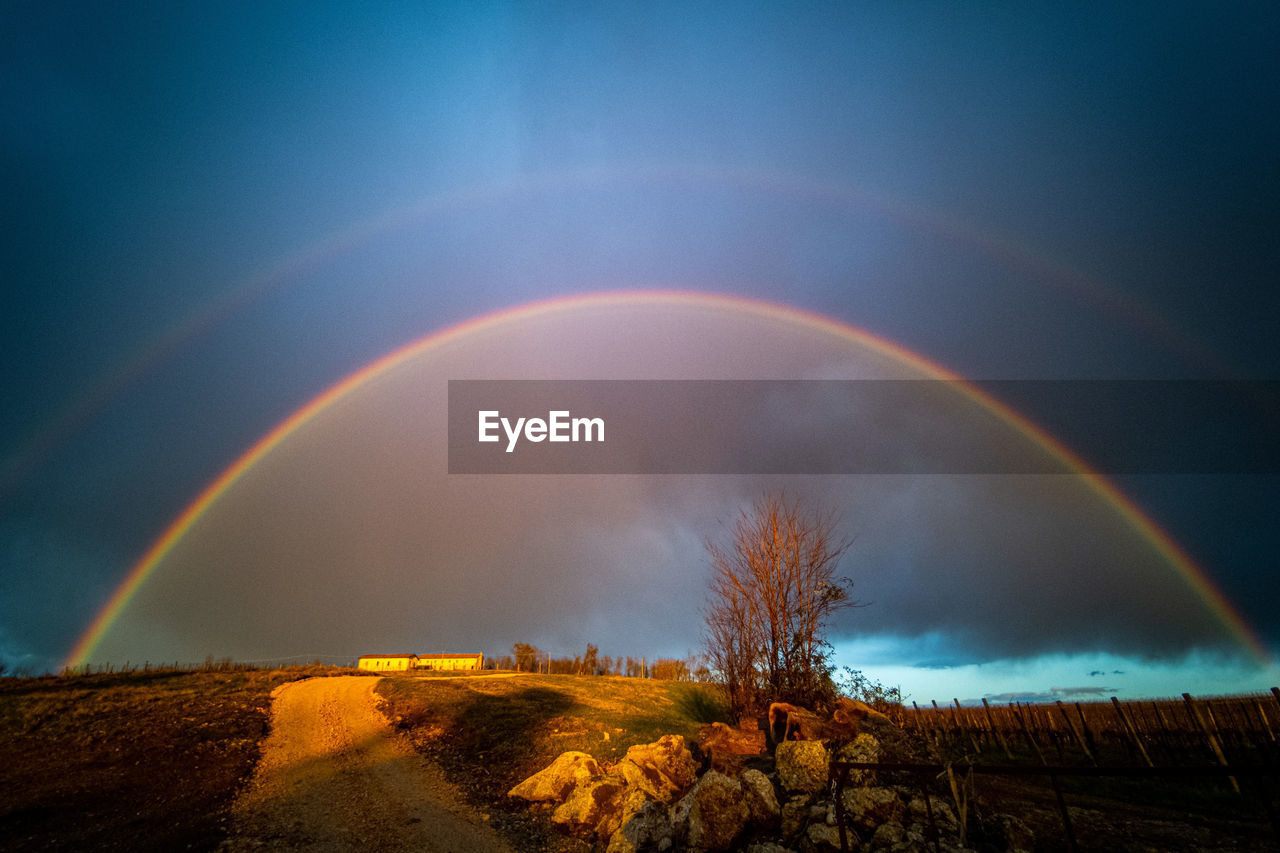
(1185, 567)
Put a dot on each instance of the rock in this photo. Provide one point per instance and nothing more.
(593, 808)
(869, 807)
(768, 847)
(855, 711)
(648, 828)
(802, 765)
(795, 814)
(943, 816)
(916, 840)
(553, 784)
(722, 745)
(889, 835)
(762, 800)
(1018, 837)
(791, 722)
(825, 837)
(865, 749)
(713, 814)
(663, 770)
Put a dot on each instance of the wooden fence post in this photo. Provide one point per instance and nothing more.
(1127, 726)
(999, 734)
(1213, 741)
(1075, 731)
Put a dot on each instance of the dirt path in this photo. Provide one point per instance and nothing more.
(334, 777)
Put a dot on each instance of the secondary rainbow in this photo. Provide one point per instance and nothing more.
(1168, 549)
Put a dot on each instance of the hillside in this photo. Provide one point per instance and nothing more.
(139, 761)
(152, 761)
(490, 733)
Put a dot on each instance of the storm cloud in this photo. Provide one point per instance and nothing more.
(213, 214)
(351, 534)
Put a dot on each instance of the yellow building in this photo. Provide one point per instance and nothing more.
(387, 663)
(452, 662)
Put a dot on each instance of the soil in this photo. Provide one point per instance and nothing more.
(334, 777)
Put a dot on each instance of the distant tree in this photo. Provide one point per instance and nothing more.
(526, 656)
(773, 591)
(587, 663)
(562, 666)
(606, 665)
(633, 667)
(670, 669)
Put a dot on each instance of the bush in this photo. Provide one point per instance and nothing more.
(702, 705)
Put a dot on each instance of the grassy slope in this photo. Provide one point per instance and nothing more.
(136, 761)
(490, 733)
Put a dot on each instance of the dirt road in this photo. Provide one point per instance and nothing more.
(334, 777)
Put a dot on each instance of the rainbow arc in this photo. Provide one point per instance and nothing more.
(1178, 560)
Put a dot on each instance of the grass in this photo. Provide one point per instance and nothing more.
(510, 728)
(490, 733)
(152, 761)
(703, 704)
(139, 761)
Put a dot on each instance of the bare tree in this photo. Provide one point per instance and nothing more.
(588, 662)
(526, 656)
(670, 669)
(773, 591)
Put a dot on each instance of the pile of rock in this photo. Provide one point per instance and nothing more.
(654, 799)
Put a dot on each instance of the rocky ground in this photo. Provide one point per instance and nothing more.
(655, 798)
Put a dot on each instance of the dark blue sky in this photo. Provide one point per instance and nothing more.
(212, 212)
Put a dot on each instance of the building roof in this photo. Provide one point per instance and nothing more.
(451, 655)
(362, 657)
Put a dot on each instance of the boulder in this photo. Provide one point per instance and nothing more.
(852, 712)
(647, 828)
(767, 847)
(725, 746)
(663, 770)
(824, 837)
(791, 722)
(762, 800)
(795, 814)
(593, 808)
(888, 835)
(713, 814)
(867, 808)
(943, 816)
(802, 765)
(553, 784)
(865, 749)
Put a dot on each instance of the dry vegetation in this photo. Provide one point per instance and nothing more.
(490, 733)
(152, 761)
(133, 761)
